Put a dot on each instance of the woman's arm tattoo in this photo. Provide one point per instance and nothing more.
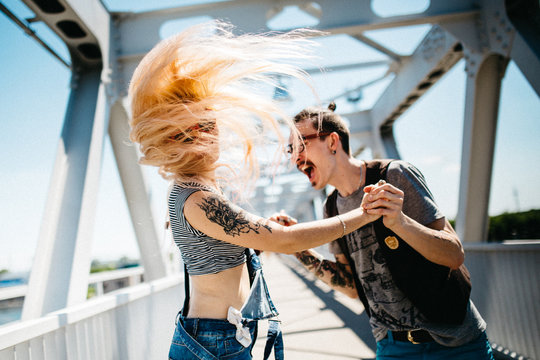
(340, 276)
(232, 221)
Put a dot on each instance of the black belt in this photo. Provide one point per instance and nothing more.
(413, 336)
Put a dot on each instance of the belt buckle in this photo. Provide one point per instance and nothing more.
(410, 337)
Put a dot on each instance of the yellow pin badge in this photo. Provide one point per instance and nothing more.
(392, 242)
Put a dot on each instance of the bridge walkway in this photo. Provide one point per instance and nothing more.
(317, 322)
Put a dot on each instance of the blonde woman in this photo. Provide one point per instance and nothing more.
(194, 96)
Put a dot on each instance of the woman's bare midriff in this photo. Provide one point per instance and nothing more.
(211, 295)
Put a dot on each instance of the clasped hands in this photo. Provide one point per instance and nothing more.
(384, 199)
(381, 199)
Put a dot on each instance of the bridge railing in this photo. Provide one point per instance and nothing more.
(506, 291)
(101, 282)
(137, 322)
(132, 323)
(107, 281)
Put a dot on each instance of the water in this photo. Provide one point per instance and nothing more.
(9, 314)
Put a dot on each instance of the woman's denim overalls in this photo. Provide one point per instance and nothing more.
(210, 339)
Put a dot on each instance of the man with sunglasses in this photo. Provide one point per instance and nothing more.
(406, 220)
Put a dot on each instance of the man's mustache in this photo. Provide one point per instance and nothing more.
(304, 164)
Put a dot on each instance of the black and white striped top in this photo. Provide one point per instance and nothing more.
(202, 254)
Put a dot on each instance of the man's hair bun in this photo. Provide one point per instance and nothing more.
(332, 106)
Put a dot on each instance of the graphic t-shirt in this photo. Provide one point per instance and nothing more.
(390, 308)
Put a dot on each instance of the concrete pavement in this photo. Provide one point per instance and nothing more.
(317, 322)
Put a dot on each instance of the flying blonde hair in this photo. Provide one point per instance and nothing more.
(194, 89)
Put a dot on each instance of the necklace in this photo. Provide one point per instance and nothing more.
(361, 180)
(355, 186)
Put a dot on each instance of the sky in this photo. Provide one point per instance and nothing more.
(34, 88)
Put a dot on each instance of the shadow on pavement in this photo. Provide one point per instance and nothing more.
(359, 324)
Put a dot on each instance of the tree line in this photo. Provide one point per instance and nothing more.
(523, 225)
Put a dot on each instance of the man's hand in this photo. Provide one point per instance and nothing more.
(283, 219)
(384, 199)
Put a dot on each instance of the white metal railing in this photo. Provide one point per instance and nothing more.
(137, 322)
(133, 276)
(131, 323)
(13, 292)
(96, 280)
(132, 273)
(506, 291)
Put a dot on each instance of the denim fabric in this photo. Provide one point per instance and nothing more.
(274, 340)
(208, 339)
(259, 305)
(478, 349)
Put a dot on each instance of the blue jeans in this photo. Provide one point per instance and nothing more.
(208, 339)
(478, 349)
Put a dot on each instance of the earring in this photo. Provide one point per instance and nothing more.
(334, 152)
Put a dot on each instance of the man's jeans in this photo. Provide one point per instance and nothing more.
(478, 349)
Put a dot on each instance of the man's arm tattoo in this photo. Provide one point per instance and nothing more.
(232, 221)
(340, 276)
(309, 261)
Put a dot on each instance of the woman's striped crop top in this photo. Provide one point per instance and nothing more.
(202, 254)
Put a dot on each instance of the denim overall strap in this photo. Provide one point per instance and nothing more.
(275, 340)
(253, 263)
(185, 308)
(265, 308)
(259, 304)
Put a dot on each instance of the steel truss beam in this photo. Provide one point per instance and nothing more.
(105, 48)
